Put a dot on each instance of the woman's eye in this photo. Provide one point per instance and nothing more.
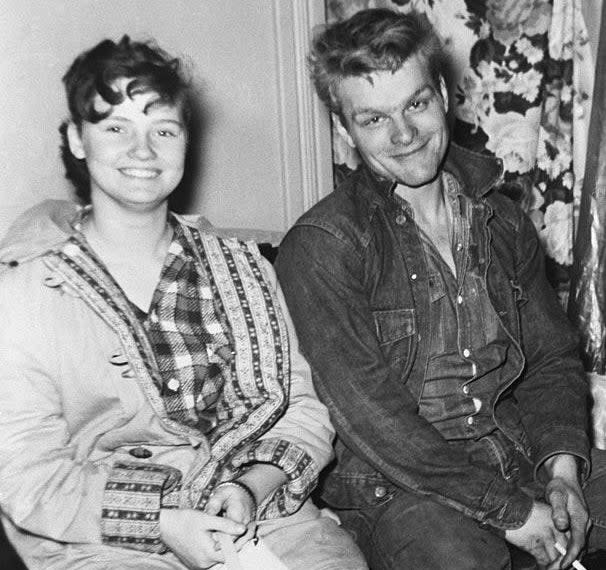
(114, 129)
(166, 133)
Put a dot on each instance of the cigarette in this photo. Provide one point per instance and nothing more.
(575, 564)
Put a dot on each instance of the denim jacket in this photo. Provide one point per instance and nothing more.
(356, 283)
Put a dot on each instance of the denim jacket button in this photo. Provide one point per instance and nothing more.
(380, 492)
(141, 452)
(400, 219)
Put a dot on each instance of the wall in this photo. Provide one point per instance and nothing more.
(266, 154)
(592, 13)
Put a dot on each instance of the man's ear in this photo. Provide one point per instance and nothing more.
(75, 141)
(444, 92)
(342, 130)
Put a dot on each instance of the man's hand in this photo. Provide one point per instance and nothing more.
(189, 534)
(563, 519)
(569, 510)
(538, 535)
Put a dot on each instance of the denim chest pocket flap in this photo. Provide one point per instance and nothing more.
(394, 324)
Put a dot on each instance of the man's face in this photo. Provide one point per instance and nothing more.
(397, 121)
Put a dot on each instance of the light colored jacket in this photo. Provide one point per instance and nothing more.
(67, 413)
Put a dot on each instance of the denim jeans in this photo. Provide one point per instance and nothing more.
(412, 531)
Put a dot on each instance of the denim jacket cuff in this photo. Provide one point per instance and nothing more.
(510, 514)
(563, 440)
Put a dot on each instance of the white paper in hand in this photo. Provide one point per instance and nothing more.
(251, 557)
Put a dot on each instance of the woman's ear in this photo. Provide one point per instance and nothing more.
(75, 141)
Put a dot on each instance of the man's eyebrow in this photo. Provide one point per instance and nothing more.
(404, 103)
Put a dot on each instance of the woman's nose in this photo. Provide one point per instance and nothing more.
(141, 147)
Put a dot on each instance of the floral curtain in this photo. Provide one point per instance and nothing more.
(521, 71)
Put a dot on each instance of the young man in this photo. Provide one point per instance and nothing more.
(154, 402)
(419, 298)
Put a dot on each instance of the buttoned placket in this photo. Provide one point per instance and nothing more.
(460, 251)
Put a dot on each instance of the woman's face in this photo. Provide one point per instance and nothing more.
(136, 155)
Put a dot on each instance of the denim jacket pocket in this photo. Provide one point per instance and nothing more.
(395, 330)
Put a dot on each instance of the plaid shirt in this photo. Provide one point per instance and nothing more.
(188, 338)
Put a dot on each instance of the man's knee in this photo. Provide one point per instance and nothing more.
(421, 533)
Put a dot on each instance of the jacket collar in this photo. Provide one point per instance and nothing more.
(40, 229)
(477, 173)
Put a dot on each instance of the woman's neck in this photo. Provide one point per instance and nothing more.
(132, 246)
(118, 234)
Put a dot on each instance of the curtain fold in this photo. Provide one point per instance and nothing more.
(587, 293)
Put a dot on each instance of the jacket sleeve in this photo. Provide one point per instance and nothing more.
(48, 486)
(372, 410)
(300, 442)
(553, 397)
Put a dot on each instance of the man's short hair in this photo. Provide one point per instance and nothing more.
(95, 71)
(372, 40)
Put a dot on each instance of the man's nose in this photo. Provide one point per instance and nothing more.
(403, 131)
(142, 147)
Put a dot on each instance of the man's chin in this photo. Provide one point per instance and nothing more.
(420, 180)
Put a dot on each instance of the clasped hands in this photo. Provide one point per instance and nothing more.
(190, 533)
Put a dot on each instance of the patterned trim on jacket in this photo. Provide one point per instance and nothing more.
(253, 399)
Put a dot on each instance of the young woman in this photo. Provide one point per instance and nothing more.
(153, 394)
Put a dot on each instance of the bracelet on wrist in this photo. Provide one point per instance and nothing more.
(245, 488)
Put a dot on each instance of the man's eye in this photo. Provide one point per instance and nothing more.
(166, 133)
(372, 121)
(419, 104)
(114, 129)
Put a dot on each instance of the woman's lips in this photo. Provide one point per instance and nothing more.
(140, 172)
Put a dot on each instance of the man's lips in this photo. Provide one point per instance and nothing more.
(140, 172)
(408, 153)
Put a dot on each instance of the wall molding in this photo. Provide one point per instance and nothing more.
(304, 125)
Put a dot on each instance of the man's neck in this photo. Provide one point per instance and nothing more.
(433, 215)
(427, 202)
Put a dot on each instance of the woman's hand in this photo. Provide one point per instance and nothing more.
(238, 499)
(189, 534)
(237, 503)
